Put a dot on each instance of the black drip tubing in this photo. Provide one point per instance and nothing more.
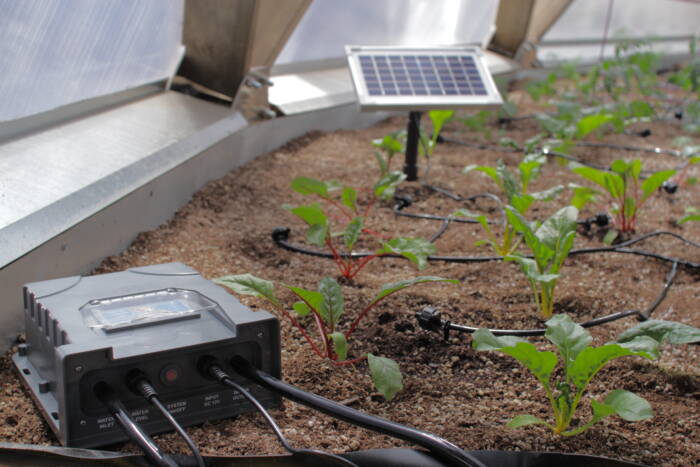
(439, 447)
(280, 236)
(430, 320)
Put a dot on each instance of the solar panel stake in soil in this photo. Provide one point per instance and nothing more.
(420, 78)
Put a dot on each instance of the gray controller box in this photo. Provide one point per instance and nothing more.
(159, 319)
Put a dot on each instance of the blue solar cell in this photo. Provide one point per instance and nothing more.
(394, 74)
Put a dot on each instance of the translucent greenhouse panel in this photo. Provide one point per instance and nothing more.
(329, 25)
(585, 19)
(57, 52)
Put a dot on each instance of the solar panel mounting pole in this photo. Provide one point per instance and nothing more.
(410, 167)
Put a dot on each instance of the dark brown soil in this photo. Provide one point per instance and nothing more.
(450, 390)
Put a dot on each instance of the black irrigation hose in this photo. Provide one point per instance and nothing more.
(280, 236)
(440, 447)
(109, 398)
(488, 147)
(217, 373)
(404, 201)
(430, 320)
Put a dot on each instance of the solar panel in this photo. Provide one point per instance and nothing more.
(389, 78)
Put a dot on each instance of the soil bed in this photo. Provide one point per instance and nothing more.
(451, 390)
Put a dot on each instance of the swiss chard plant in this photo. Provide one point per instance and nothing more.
(515, 191)
(625, 189)
(549, 244)
(325, 308)
(349, 224)
(579, 363)
(391, 144)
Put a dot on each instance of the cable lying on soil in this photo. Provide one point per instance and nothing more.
(280, 236)
(430, 320)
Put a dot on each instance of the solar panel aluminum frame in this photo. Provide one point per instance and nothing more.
(491, 100)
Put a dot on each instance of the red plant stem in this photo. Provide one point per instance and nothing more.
(339, 207)
(345, 268)
(359, 318)
(301, 329)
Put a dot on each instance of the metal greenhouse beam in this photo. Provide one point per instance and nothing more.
(522, 23)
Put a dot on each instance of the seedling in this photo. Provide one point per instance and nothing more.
(514, 189)
(320, 230)
(692, 214)
(479, 123)
(390, 144)
(325, 307)
(550, 244)
(580, 363)
(623, 188)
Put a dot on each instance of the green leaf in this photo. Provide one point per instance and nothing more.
(651, 184)
(592, 359)
(594, 175)
(352, 232)
(524, 420)
(310, 186)
(569, 337)
(386, 186)
(349, 198)
(662, 331)
(390, 142)
(316, 234)
(439, 118)
(483, 339)
(312, 214)
(610, 236)
(548, 194)
(313, 300)
(248, 284)
(641, 109)
(301, 308)
(340, 345)
(521, 202)
(644, 344)
(388, 289)
(629, 406)
(415, 250)
(582, 195)
(509, 184)
(386, 375)
(591, 123)
(540, 364)
(560, 224)
(383, 166)
(490, 171)
(333, 303)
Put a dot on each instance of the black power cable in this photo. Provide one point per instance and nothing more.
(210, 369)
(109, 398)
(138, 382)
(439, 447)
